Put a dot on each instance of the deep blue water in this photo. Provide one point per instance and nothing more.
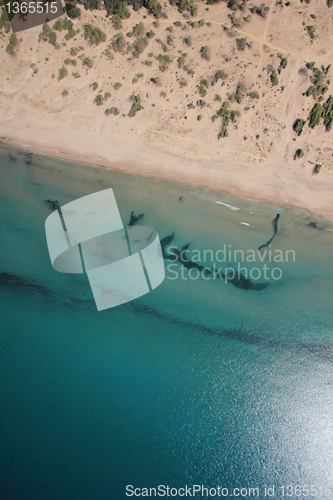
(198, 382)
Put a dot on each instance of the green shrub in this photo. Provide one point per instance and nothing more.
(150, 34)
(93, 34)
(241, 43)
(118, 43)
(283, 63)
(136, 105)
(205, 52)
(86, 61)
(254, 94)
(187, 40)
(219, 74)
(311, 31)
(138, 29)
(298, 126)
(62, 73)
(317, 168)
(299, 153)
(329, 3)
(156, 80)
(72, 12)
(94, 85)
(112, 111)
(76, 75)
(70, 61)
(99, 99)
(274, 78)
(139, 45)
(327, 114)
(116, 22)
(261, 10)
(315, 115)
(154, 8)
(58, 25)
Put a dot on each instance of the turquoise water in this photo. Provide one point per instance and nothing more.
(198, 382)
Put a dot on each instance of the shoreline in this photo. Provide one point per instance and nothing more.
(133, 169)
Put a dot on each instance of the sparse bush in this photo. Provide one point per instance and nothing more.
(241, 43)
(261, 10)
(68, 61)
(311, 31)
(136, 105)
(235, 21)
(76, 75)
(139, 45)
(156, 80)
(58, 25)
(150, 34)
(86, 61)
(154, 8)
(205, 52)
(317, 168)
(238, 94)
(219, 74)
(283, 63)
(117, 85)
(118, 43)
(112, 111)
(64, 93)
(62, 73)
(116, 22)
(138, 29)
(181, 60)
(254, 94)
(274, 78)
(187, 40)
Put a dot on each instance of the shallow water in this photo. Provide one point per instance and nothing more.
(198, 382)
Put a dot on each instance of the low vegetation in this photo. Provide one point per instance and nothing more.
(136, 105)
(298, 126)
(299, 153)
(93, 34)
(11, 45)
(112, 111)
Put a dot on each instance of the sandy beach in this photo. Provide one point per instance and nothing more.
(174, 136)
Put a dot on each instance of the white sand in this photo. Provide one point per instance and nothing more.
(159, 141)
